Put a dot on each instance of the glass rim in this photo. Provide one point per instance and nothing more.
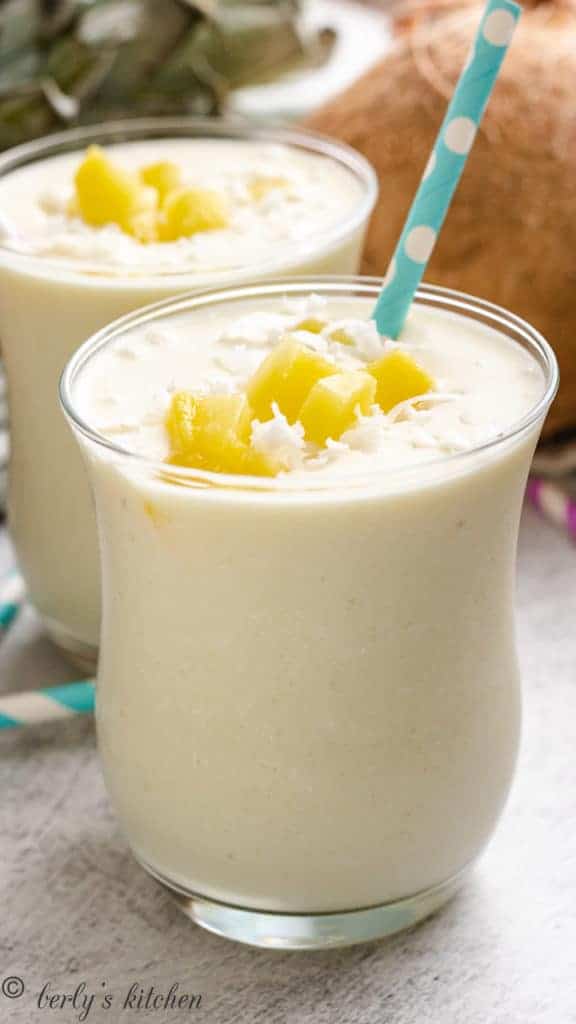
(140, 129)
(426, 295)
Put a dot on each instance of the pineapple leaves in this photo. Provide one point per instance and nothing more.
(64, 62)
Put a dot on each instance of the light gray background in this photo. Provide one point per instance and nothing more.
(75, 908)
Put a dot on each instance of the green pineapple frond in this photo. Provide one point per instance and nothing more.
(64, 62)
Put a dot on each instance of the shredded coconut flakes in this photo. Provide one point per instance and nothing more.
(279, 439)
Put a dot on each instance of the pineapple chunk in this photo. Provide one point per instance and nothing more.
(212, 432)
(189, 210)
(315, 326)
(180, 422)
(223, 425)
(341, 336)
(259, 464)
(224, 414)
(164, 176)
(312, 325)
(262, 184)
(398, 377)
(333, 403)
(106, 194)
(285, 377)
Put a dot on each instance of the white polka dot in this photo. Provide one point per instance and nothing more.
(499, 28)
(459, 135)
(390, 274)
(430, 166)
(419, 243)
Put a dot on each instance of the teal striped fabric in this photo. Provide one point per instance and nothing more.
(12, 596)
(8, 613)
(47, 705)
(8, 723)
(78, 697)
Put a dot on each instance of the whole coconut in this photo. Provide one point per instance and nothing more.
(510, 235)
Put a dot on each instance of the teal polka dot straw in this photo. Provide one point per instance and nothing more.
(445, 165)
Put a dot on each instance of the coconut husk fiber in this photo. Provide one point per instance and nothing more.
(510, 235)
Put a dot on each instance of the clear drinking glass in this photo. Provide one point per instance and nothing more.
(309, 699)
(49, 306)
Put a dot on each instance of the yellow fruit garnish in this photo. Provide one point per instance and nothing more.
(180, 422)
(203, 428)
(333, 404)
(312, 325)
(107, 194)
(225, 414)
(256, 463)
(208, 431)
(189, 210)
(340, 335)
(315, 326)
(164, 176)
(212, 432)
(398, 377)
(285, 377)
(150, 205)
(262, 184)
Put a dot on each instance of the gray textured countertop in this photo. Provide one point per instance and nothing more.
(74, 907)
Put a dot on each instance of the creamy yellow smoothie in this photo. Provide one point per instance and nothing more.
(236, 204)
(308, 699)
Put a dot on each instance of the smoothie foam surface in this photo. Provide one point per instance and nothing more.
(276, 195)
(483, 382)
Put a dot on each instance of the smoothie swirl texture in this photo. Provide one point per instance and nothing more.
(467, 385)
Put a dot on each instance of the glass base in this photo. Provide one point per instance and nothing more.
(271, 930)
(81, 655)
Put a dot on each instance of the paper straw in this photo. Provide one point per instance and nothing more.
(553, 503)
(445, 165)
(36, 707)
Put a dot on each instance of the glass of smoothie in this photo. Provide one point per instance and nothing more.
(309, 699)
(97, 222)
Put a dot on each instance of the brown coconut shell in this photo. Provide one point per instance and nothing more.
(510, 235)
